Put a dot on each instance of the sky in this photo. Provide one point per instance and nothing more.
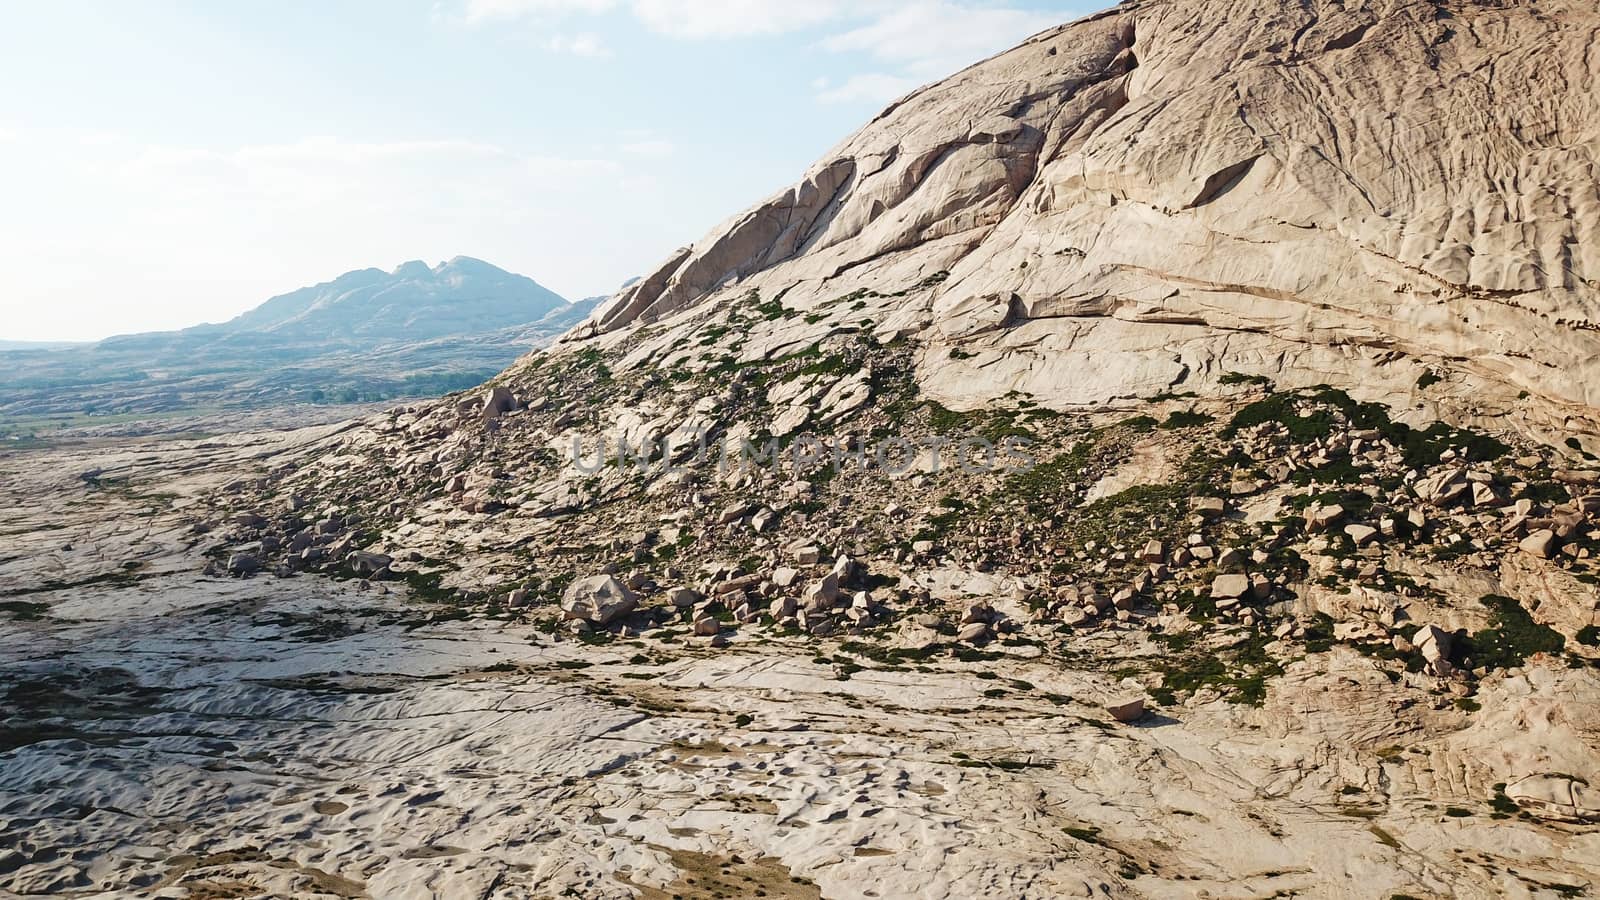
(166, 163)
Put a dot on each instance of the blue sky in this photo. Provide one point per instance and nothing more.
(166, 163)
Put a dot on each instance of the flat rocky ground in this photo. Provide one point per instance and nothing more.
(164, 733)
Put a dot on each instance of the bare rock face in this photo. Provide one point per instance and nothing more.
(1386, 196)
(599, 600)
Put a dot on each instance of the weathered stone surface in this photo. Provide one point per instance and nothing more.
(1125, 709)
(1541, 543)
(1556, 796)
(1361, 534)
(1230, 587)
(1122, 206)
(825, 758)
(362, 562)
(497, 402)
(599, 599)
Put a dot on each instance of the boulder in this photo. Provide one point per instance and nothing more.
(1485, 495)
(1361, 534)
(362, 562)
(783, 607)
(974, 633)
(1230, 587)
(497, 402)
(1541, 543)
(1433, 642)
(598, 599)
(784, 576)
(1125, 709)
(683, 598)
(1231, 560)
(823, 595)
(1444, 487)
(734, 513)
(1321, 518)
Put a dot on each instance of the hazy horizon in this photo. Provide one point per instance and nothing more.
(179, 166)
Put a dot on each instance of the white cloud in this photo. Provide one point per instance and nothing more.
(870, 87)
(735, 18)
(324, 150)
(687, 18)
(932, 38)
(582, 44)
(927, 40)
(653, 147)
(491, 10)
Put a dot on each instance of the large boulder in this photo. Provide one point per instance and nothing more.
(1125, 709)
(1230, 587)
(497, 403)
(363, 562)
(599, 599)
(1541, 543)
(823, 595)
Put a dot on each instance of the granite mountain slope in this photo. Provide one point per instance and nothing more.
(1235, 632)
(1142, 202)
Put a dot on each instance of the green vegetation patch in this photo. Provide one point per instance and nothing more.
(1512, 636)
(1240, 674)
(1313, 414)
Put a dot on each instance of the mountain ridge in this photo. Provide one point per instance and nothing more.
(1099, 233)
(367, 334)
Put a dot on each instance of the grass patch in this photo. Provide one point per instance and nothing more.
(1186, 419)
(1316, 413)
(23, 610)
(1512, 636)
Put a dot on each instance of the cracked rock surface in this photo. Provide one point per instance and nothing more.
(1171, 190)
(177, 735)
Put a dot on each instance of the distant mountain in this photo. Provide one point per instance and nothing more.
(462, 296)
(366, 335)
(39, 345)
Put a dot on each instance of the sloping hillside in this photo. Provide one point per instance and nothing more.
(1369, 195)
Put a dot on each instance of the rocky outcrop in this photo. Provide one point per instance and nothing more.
(1398, 196)
(600, 599)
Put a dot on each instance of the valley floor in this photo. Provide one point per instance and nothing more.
(168, 734)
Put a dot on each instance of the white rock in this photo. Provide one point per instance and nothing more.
(1230, 587)
(1541, 543)
(599, 599)
(1125, 709)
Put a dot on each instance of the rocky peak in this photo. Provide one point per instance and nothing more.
(1154, 197)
